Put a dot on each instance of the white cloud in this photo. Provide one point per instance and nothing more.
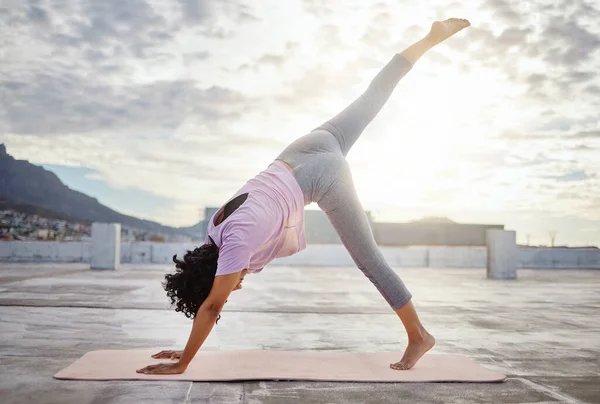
(186, 98)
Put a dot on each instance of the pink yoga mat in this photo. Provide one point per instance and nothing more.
(281, 365)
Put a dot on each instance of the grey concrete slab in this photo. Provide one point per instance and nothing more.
(540, 330)
(511, 391)
(29, 380)
(585, 389)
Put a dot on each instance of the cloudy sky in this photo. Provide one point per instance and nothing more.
(161, 107)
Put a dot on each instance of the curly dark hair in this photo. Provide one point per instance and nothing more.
(190, 285)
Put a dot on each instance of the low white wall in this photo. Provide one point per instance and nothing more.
(47, 251)
(457, 257)
(559, 258)
(314, 255)
(407, 257)
(155, 253)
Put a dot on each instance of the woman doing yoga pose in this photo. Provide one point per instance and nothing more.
(264, 220)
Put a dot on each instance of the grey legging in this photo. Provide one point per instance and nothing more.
(319, 163)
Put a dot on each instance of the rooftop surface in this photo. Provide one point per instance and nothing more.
(542, 330)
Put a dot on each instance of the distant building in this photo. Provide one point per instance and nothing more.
(319, 230)
(44, 234)
(449, 234)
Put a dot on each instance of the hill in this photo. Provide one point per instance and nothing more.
(23, 183)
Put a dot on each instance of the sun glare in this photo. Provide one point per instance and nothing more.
(436, 121)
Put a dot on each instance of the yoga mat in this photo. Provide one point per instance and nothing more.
(280, 365)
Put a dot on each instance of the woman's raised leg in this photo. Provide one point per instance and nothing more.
(348, 125)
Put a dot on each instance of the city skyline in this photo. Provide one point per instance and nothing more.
(159, 109)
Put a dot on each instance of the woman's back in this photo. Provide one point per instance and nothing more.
(267, 224)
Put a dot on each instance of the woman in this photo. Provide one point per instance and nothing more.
(265, 219)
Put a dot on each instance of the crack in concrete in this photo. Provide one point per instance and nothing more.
(187, 395)
(547, 390)
(243, 395)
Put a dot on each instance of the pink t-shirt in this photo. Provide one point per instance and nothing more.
(269, 224)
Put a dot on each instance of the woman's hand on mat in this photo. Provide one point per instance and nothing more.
(163, 369)
(168, 355)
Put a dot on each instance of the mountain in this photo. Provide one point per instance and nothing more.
(24, 183)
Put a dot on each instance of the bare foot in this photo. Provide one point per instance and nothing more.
(442, 30)
(414, 351)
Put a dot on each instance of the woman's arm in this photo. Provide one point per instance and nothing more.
(202, 326)
(205, 319)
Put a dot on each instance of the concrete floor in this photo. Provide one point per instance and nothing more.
(543, 331)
